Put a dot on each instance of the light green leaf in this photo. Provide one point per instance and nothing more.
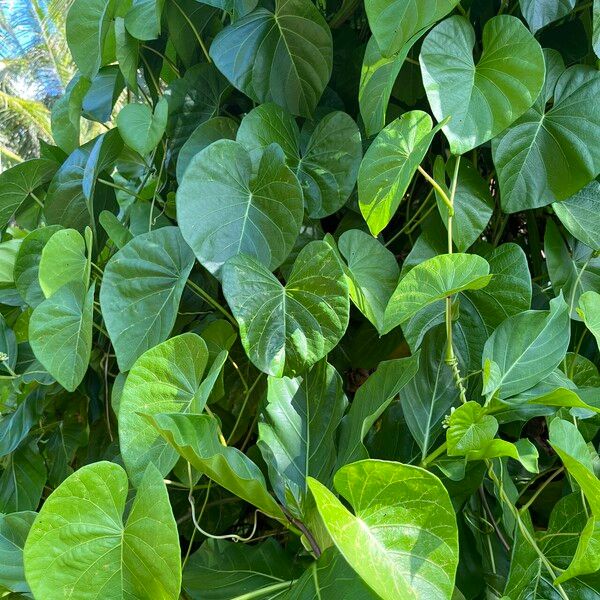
(525, 348)
(589, 310)
(296, 434)
(287, 328)
(15, 425)
(325, 156)
(204, 135)
(140, 128)
(482, 99)
(539, 164)
(469, 428)
(395, 22)
(389, 166)
(26, 272)
(22, 480)
(166, 378)
(539, 13)
(141, 289)
(563, 397)
(78, 545)
(8, 256)
(226, 207)
(18, 183)
(87, 27)
(370, 401)
(14, 529)
(372, 274)
(433, 280)
(60, 333)
(196, 438)
(402, 539)
(580, 214)
(295, 38)
(63, 260)
(222, 570)
(143, 19)
(116, 231)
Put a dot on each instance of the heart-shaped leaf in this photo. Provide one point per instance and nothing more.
(325, 156)
(433, 280)
(481, 99)
(226, 207)
(78, 544)
(389, 166)
(469, 428)
(295, 37)
(539, 13)
(141, 289)
(287, 328)
(140, 128)
(580, 214)
(401, 547)
(143, 19)
(395, 22)
(549, 154)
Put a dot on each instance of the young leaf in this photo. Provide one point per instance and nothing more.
(389, 166)
(296, 435)
(287, 328)
(141, 289)
(79, 545)
(433, 280)
(482, 99)
(226, 207)
(525, 348)
(295, 37)
(142, 129)
(589, 310)
(196, 438)
(400, 547)
(325, 156)
(372, 274)
(60, 333)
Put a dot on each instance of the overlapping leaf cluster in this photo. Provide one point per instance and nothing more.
(317, 317)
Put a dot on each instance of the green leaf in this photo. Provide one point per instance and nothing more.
(589, 310)
(287, 328)
(539, 13)
(87, 27)
(63, 259)
(226, 207)
(116, 231)
(372, 274)
(143, 19)
(377, 78)
(596, 27)
(60, 333)
(469, 428)
(433, 280)
(15, 425)
(22, 480)
(370, 401)
(330, 577)
(127, 52)
(402, 548)
(203, 136)
(78, 544)
(102, 95)
(27, 264)
(296, 434)
(389, 166)
(65, 118)
(142, 129)
(395, 22)
(103, 155)
(295, 38)
(562, 397)
(580, 215)
(8, 257)
(141, 289)
(525, 348)
(166, 378)
(482, 99)
(325, 156)
(14, 529)
(196, 438)
(473, 204)
(539, 164)
(222, 570)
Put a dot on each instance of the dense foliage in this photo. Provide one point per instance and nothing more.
(318, 317)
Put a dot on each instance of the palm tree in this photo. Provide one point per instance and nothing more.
(35, 66)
